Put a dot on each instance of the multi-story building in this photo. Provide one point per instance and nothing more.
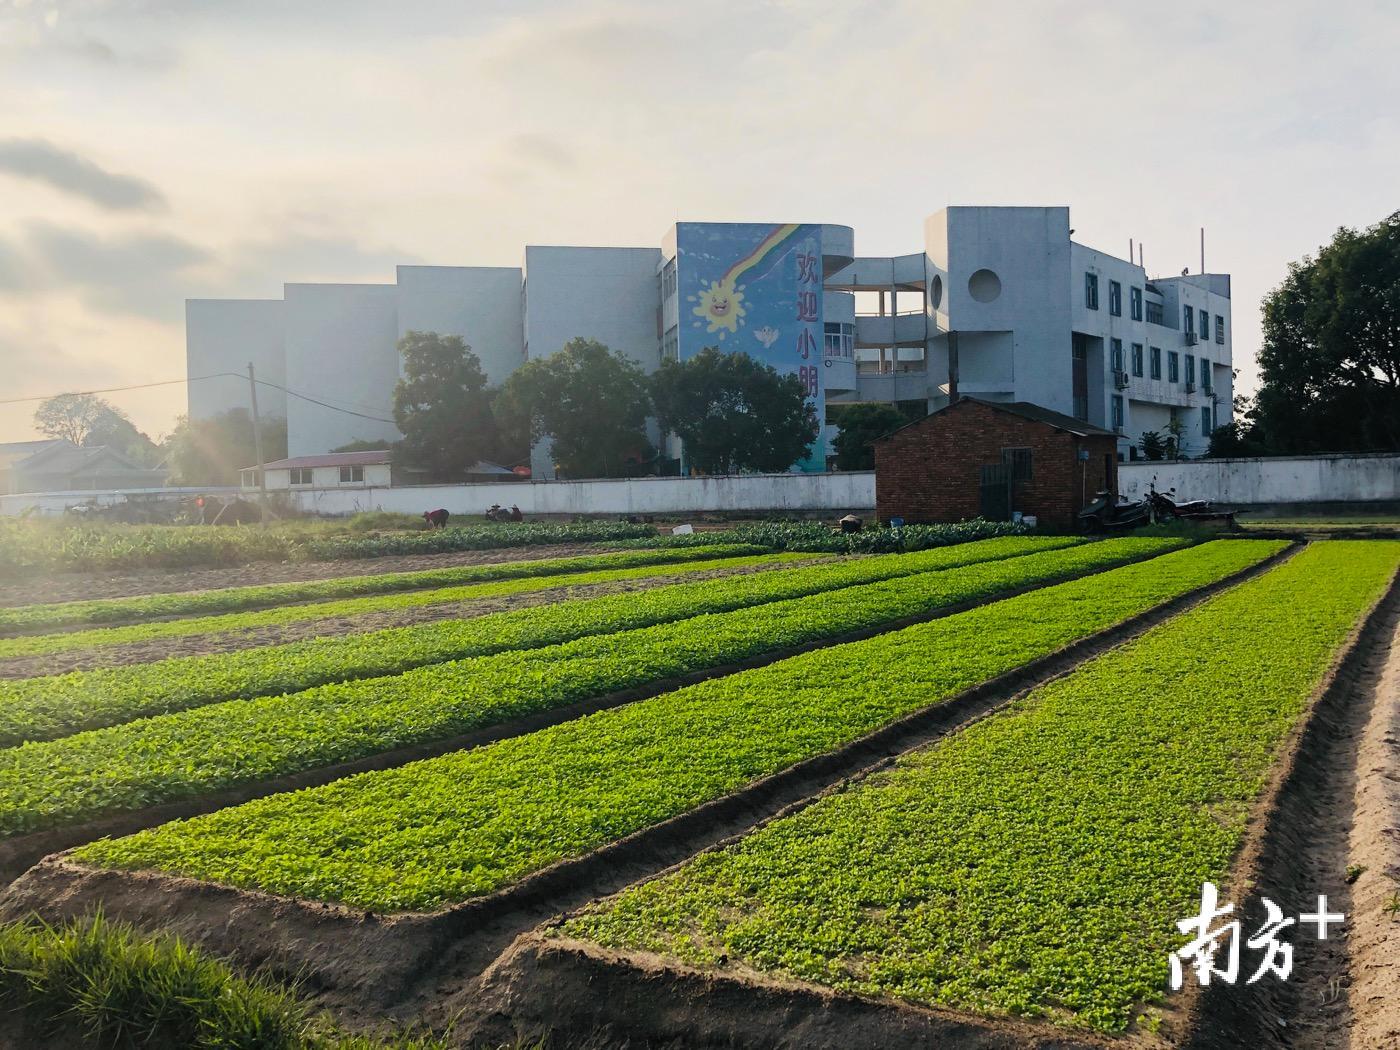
(1001, 304)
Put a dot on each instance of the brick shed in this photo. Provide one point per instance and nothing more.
(984, 458)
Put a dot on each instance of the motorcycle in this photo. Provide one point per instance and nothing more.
(1111, 511)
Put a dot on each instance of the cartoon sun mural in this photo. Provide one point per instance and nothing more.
(720, 305)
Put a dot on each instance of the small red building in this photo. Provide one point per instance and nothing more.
(987, 459)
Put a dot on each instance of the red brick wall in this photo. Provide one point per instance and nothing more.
(931, 471)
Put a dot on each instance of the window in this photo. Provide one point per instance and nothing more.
(352, 475)
(1154, 314)
(1190, 370)
(1020, 462)
(839, 340)
(1188, 322)
(300, 475)
(670, 345)
(1206, 421)
(668, 279)
(1156, 362)
(1115, 299)
(1137, 359)
(1135, 303)
(1116, 355)
(248, 478)
(1173, 367)
(1219, 328)
(1091, 291)
(1206, 381)
(1204, 319)
(1117, 412)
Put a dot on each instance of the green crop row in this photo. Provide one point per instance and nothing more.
(1034, 864)
(230, 599)
(190, 753)
(29, 547)
(465, 824)
(226, 623)
(48, 708)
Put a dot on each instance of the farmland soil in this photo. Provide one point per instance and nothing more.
(360, 623)
(1373, 848)
(436, 966)
(1329, 823)
(83, 586)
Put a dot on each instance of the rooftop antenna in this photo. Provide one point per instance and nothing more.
(1130, 249)
(1140, 266)
(1203, 249)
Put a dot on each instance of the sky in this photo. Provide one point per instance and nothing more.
(155, 150)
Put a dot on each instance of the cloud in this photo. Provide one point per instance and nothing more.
(64, 170)
(141, 274)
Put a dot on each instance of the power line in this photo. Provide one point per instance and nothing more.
(195, 379)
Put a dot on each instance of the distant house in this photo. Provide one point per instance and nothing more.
(990, 459)
(328, 471)
(58, 465)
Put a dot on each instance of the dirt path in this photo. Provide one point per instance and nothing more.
(231, 641)
(1374, 846)
(67, 587)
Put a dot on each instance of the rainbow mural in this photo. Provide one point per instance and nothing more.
(756, 288)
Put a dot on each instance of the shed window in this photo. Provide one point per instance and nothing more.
(1019, 460)
(349, 475)
(300, 475)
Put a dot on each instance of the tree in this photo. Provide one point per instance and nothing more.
(1153, 445)
(71, 417)
(362, 445)
(212, 451)
(1330, 360)
(90, 421)
(441, 407)
(861, 425)
(734, 413)
(590, 401)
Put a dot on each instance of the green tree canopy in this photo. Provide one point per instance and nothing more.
(1330, 360)
(861, 425)
(734, 413)
(441, 407)
(212, 451)
(591, 402)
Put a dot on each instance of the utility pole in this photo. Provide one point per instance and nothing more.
(257, 444)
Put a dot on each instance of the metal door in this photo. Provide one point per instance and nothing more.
(995, 492)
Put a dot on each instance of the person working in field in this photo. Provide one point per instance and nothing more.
(436, 519)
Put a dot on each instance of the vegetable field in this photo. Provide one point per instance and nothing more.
(1070, 735)
(1013, 868)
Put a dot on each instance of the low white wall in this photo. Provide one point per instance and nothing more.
(58, 502)
(754, 492)
(1295, 479)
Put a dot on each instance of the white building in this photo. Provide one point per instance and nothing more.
(1000, 303)
(328, 471)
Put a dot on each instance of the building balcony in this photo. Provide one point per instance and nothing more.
(907, 329)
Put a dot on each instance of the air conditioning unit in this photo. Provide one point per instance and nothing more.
(1120, 380)
(1190, 338)
(1190, 387)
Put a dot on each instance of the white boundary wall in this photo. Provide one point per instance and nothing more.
(824, 493)
(1295, 479)
(44, 503)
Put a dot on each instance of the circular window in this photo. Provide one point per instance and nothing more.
(984, 286)
(935, 292)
